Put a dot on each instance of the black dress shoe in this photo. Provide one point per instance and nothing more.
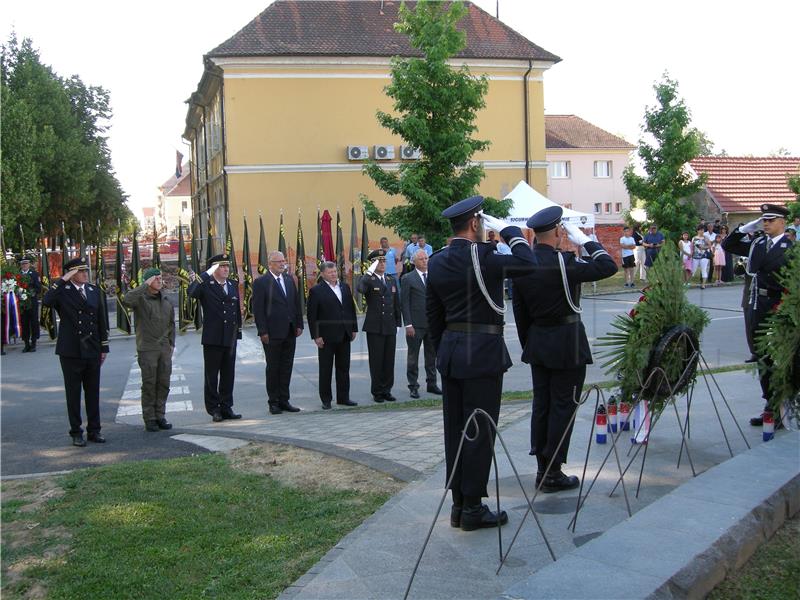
(151, 425)
(753, 359)
(757, 421)
(414, 393)
(230, 415)
(216, 416)
(558, 482)
(326, 406)
(77, 440)
(378, 399)
(96, 438)
(434, 389)
(478, 517)
(33, 348)
(2, 352)
(455, 516)
(274, 410)
(285, 406)
(389, 398)
(347, 403)
(163, 424)
(26, 349)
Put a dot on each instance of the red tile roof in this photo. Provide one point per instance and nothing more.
(361, 28)
(568, 131)
(742, 184)
(178, 187)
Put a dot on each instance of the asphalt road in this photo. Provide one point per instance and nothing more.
(34, 422)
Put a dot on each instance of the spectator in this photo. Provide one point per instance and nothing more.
(686, 249)
(652, 242)
(710, 234)
(717, 226)
(421, 245)
(701, 256)
(628, 245)
(391, 257)
(791, 234)
(795, 226)
(639, 253)
(719, 260)
(499, 246)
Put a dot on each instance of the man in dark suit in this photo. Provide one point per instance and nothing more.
(465, 317)
(382, 322)
(412, 300)
(30, 315)
(279, 320)
(82, 346)
(553, 338)
(765, 243)
(222, 326)
(332, 323)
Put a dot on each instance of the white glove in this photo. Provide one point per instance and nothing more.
(575, 235)
(372, 267)
(751, 227)
(493, 223)
(212, 269)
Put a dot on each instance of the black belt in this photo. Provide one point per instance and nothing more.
(775, 295)
(476, 328)
(556, 321)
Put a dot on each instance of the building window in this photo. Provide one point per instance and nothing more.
(608, 208)
(618, 207)
(560, 169)
(597, 208)
(602, 168)
(184, 204)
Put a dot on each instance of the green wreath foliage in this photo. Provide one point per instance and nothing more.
(779, 337)
(631, 344)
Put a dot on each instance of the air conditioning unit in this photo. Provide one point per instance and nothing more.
(357, 153)
(409, 153)
(383, 152)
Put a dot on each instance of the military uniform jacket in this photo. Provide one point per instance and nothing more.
(540, 306)
(83, 332)
(154, 316)
(383, 305)
(453, 296)
(222, 315)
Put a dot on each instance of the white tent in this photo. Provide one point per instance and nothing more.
(528, 201)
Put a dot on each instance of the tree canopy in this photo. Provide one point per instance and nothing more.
(435, 107)
(667, 186)
(56, 165)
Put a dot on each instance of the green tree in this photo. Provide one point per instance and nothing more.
(794, 207)
(667, 187)
(435, 106)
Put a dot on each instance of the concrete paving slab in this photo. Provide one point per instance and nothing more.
(213, 443)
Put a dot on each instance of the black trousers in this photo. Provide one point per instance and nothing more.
(460, 398)
(220, 365)
(757, 316)
(280, 360)
(555, 396)
(30, 325)
(82, 373)
(381, 362)
(338, 354)
(421, 337)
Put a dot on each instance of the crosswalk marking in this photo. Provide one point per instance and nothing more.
(136, 409)
(130, 401)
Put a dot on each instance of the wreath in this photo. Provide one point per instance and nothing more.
(779, 338)
(660, 332)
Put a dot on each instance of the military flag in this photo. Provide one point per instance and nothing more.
(135, 277)
(64, 251)
(84, 251)
(46, 318)
(352, 254)
(123, 318)
(263, 256)
(210, 238)
(320, 256)
(197, 310)
(100, 277)
(156, 262)
(364, 254)
(339, 247)
(282, 238)
(300, 265)
(185, 302)
(248, 275)
(231, 252)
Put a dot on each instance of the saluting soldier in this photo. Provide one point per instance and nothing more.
(548, 316)
(765, 243)
(381, 323)
(464, 305)
(222, 326)
(82, 346)
(30, 316)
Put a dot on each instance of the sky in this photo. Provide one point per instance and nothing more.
(735, 63)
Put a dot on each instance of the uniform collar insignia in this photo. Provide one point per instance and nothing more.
(69, 287)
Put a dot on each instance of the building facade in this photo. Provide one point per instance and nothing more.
(285, 111)
(175, 204)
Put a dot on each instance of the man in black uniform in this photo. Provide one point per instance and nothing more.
(554, 343)
(82, 345)
(381, 323)
(222, 326)
(766, 254)
(30, 315)
(464, 303)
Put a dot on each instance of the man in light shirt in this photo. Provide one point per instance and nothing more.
(628, 245)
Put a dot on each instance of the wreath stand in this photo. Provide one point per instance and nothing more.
(657, 384)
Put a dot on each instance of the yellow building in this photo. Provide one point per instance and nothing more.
(286, 106)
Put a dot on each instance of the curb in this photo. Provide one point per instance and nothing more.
(688, 541)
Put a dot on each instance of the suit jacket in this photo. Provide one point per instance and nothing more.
(83, 332)
(222, 314)
(328, 318)
(276, 313)
(539, 297)
(34, 288)
(383, 304)
(412, 301)
(453, 296)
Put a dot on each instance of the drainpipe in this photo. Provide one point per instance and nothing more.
(527, 126)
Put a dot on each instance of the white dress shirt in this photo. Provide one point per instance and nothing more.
(337, 289)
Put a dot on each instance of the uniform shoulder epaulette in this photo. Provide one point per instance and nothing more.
(435, 252)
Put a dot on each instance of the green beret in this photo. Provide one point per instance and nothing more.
(148, 273)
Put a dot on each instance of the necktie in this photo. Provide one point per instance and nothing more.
(425, 279)
(225, 288)
(281, 284)
(82, 290)
(769, 244)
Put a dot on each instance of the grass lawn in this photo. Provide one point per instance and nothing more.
(196, 527)
(772, 572)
